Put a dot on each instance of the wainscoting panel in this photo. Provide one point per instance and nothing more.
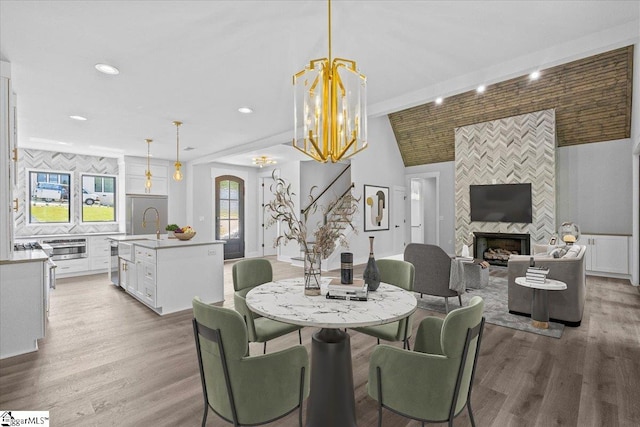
(519, 149)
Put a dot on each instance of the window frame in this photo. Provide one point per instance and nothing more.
(30, 191)
(81, 203)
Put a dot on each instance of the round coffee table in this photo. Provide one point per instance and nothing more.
(539, 302)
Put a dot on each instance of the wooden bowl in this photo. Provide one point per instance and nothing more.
(184, 236)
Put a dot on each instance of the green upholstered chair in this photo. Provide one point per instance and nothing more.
(247, 274)
(401, 274)
(433, 382)
(241, 389)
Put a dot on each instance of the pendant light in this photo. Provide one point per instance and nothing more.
(177, 175)
(330, 108)
(147, 184)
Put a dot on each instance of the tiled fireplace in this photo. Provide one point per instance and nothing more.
(495, 248)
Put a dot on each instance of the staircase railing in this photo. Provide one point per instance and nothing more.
(338, 202)
(315, 200)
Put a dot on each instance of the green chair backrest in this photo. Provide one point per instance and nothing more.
(452, 340)
(396, 272)
(251, 272)
(234, 341)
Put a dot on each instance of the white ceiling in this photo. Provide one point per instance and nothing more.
(198, 61)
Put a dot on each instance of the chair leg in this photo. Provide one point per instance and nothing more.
(299, 337)
(378, 341)
(473, 422)
(420, 295)
(460, 300)
(204, 417)
(264, 350)
(446, 305)
(407, 345)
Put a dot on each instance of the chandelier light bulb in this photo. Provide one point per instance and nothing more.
(177, 175)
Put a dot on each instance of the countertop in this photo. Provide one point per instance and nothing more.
(150, 241)
(32, 255)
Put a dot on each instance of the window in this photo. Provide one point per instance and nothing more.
(98, 198)
(50, 197)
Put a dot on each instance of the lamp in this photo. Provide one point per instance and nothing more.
(177, 175)
(263, 161)
(330, 108)
(147, 184)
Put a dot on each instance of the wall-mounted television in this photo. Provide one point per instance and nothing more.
(501, 203)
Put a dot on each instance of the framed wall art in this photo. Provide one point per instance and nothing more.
(376, 208)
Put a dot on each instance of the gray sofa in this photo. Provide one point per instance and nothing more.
(564, 306)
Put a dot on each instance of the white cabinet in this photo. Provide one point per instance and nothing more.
(22, 306)
(128, 279)
(8, 158)
(135, 169)
(146, 275)
(99, 253)
(606, 254)
(70, 266)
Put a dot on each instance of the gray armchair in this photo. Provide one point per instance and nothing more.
(432, 383)
(433, 269)
(240, 389)
(247, 274)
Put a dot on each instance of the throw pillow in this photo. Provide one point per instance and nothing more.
(559, 252)
(572, 252)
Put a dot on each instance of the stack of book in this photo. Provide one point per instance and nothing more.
(537, 274)
(357, 291)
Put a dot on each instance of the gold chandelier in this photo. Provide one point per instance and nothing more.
(263, 161)
(330, 108)
(177, 175)
(147, 184)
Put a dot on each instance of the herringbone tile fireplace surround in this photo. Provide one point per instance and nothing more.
(519, 149)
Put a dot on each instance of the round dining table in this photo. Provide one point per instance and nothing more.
(331, 400)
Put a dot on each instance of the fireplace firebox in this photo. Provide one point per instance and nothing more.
(495, 248)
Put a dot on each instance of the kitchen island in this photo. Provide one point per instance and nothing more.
(165, 274)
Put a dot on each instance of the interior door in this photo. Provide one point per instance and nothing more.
(398, 219)
(269, 234)
(230, 215)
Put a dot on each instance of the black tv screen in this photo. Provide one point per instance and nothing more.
(501, 203)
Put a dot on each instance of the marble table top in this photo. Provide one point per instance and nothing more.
(284, 300)
(549, 284)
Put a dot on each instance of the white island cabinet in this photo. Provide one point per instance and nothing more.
(168, 273)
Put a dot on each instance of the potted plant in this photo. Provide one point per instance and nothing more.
(171, 228)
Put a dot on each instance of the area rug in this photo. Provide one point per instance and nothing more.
(496, 309)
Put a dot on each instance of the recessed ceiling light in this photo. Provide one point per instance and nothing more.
(439, 100)
(245, 110)
(80, 118)
(534, 75)
(481, 89)
(107, 69)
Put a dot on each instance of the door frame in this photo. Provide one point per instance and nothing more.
(241, 210)
(428, 176)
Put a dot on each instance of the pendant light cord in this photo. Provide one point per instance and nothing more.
(329, 32)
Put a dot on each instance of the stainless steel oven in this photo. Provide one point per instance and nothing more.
(67, 248)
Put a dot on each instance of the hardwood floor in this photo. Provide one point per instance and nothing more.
(108, 360)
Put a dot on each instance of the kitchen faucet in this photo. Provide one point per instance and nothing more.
(144, 220)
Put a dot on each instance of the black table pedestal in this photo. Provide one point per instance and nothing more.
(331, 401)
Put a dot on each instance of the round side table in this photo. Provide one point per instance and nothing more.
(539, 302)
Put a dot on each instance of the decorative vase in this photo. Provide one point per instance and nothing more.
(346, 268)
(312, 274)
(371, 273)
(465, 251)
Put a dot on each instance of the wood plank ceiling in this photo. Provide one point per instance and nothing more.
(591, 96)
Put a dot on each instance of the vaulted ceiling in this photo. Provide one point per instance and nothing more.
(591, 96)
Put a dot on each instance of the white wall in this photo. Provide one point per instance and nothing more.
(595, 187)
(380, 164)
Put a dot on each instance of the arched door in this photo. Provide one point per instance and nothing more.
(230, 215)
